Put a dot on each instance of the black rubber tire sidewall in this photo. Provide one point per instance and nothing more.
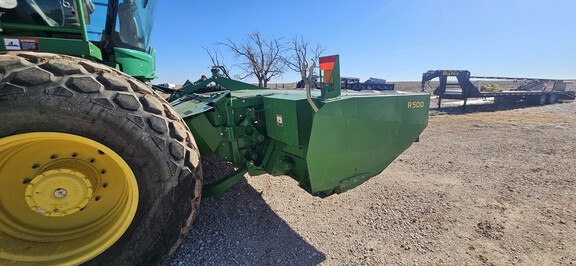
(553, 98)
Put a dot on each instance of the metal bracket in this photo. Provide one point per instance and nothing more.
(223, 184)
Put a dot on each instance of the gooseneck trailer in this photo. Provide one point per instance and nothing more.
(535, 91)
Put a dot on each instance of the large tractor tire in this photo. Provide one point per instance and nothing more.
(95, 168)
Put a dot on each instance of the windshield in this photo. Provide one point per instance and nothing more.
(134, 23)
(131, 27)
(54, 13)
(96, 22)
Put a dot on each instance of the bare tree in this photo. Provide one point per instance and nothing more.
(218, 60)
(300, 52)
(259, 57)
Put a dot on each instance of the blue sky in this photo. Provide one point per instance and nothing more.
(391, 39)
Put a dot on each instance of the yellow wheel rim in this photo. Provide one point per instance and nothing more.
(64, 199)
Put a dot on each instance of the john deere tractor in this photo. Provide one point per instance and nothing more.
(97, 168)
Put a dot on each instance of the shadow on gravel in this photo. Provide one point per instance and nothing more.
(239, 228)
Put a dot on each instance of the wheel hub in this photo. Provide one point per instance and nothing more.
(58, 192)
(64, 198)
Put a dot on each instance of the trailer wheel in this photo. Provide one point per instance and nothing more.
(94, 167)
(539, 100)
(553, 98)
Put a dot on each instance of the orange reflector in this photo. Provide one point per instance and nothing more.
(327, 76)
(327, 62)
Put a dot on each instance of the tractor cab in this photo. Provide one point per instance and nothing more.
(115, 32)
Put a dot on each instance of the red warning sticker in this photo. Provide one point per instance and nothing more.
(29, 44)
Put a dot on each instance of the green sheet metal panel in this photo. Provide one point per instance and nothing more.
(136, 63)
(206, 135)
(288, 118)
(72, 47)
(355, 138)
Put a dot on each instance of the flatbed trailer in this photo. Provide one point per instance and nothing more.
(534, 91)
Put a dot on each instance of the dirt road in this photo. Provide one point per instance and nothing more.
(485, 187)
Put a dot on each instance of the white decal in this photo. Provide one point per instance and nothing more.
(12, 44)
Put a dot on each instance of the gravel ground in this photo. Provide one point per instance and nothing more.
(485, 187)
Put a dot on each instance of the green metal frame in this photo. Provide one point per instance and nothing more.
(351, 138)
(135, 63)
(78, 48)
(216, 78)
(223, 184)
